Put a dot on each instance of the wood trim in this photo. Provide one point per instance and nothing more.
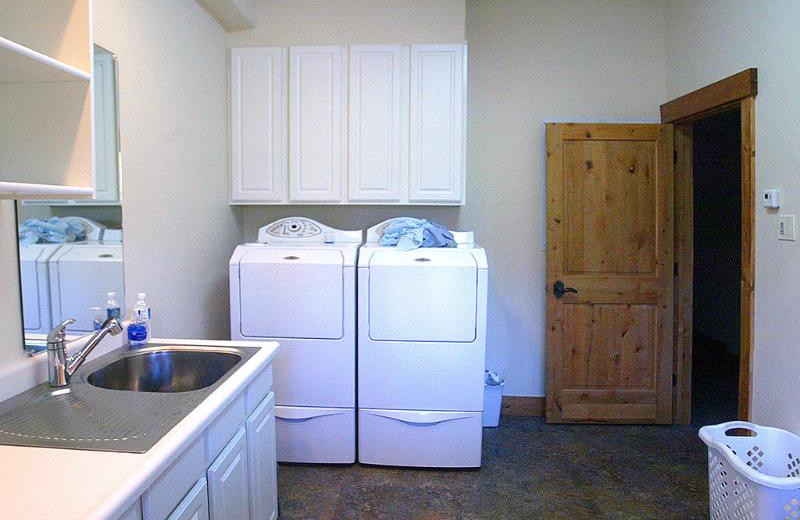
(523, 406)
(748, 128)
(712, 97)
(684, 251)
(684, 259)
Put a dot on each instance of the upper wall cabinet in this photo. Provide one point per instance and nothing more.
(258, 125)
(378, 145)
(46, 147)
(317, 131)
(437, 123)
(368, 124)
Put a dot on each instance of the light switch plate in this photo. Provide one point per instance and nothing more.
(786, 227)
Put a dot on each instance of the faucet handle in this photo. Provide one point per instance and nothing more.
(56, 335)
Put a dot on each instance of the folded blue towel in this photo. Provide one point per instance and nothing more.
(53, 231)
(410, 233)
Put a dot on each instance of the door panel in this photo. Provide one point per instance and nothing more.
(318, 140)
(609, 233)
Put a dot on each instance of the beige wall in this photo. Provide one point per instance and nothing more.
(320, 22)
(179, 229)
(710, 40)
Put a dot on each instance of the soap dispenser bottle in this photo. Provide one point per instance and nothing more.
(139, 329)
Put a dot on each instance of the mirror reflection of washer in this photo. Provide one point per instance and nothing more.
(296, 285)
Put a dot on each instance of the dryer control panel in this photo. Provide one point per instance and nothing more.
(299, 230)
(294, 228)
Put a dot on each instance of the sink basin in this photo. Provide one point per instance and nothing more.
(166, 370)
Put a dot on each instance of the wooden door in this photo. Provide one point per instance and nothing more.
(437, 129)
(378, 129)
(317, 123)
(258, 125)
(610, 240)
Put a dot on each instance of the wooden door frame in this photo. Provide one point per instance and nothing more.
(737, 91)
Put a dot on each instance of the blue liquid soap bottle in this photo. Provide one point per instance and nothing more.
(139, 329)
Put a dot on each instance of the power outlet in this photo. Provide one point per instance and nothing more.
(786, 227)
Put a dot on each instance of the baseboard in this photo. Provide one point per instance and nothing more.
(523, 405)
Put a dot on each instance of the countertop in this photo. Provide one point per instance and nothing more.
(48, 483)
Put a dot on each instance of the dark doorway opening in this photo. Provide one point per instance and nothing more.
(716, 310)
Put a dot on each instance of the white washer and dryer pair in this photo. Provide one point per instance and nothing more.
(61, 281)
(420, 339)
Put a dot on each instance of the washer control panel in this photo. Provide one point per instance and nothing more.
(294, 228)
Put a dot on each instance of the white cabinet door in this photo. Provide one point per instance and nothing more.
(227, 482)
(378, 138)
(261, 461)
(105, 129)
(437, 159)
(134, 512)
(194, 506)
(317, 140)
(258, 124)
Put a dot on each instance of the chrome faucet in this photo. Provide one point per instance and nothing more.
(60, 367)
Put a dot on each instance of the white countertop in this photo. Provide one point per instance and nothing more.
(50, 483)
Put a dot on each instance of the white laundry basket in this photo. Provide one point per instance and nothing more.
(755, 476)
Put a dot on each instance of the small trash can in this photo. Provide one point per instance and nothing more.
(753, 471)
(492, 398)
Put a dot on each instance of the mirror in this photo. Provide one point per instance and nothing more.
(70, 251)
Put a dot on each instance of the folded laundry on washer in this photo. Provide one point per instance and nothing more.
(54, 231)
(411, 233)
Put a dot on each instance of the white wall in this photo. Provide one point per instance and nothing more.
(179, 229)
(708, 41)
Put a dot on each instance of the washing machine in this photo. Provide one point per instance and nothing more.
(421, 353)
(297, 285)
(82, 273)
(35, 281)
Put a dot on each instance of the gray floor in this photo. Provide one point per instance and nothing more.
(530, 471)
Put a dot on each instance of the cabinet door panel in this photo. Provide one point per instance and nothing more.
(378, 140)
(437, 123)
(105, 129)
(194, 506)
(317, 122)
(261, 461)
(227, 481)
(258, 124)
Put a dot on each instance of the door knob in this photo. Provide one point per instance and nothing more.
(559, 289)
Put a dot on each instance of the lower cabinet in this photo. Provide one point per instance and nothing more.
(227, 481)
(194, 506)
(261, 461)
(239, 484)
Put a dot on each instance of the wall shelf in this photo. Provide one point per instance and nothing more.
(19, 64)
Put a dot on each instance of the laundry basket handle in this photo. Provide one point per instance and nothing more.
(707, 432)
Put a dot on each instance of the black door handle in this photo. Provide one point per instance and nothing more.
(559, 289)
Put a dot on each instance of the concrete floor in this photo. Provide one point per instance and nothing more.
(530, 471)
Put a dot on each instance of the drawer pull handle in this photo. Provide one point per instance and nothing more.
(422, 259)
(291, 257)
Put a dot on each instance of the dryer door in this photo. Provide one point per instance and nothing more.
(422, 295)
(35, 307)
(291, 293)
(80, 277)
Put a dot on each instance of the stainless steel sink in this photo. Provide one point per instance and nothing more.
(166, 369)
(123, 401)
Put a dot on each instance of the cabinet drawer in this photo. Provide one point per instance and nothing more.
(258, 389)
(227, 481)
(170, 488)
(224, 427)
(194, 505)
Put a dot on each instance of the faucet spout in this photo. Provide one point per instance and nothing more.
(60, 367)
